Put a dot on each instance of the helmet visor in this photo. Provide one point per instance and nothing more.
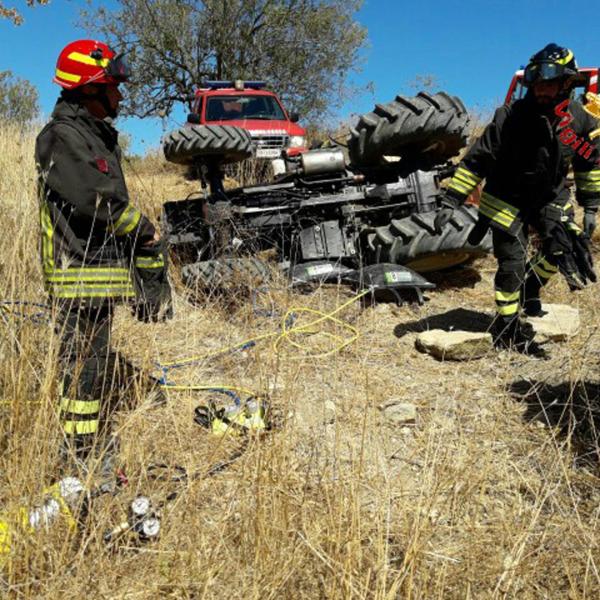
(544, 71)
(118, 68)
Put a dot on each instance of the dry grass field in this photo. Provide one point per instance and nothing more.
(493, 491)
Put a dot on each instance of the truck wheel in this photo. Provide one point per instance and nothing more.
(225, 273)
(412, 241)
(432, 127)
(187, 144)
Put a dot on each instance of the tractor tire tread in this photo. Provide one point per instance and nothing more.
(188, 145)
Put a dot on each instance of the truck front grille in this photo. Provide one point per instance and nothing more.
(271, 141)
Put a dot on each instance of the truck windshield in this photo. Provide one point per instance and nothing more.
(519, 91)
(233, 108)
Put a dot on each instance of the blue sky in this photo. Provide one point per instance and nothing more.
(472, 47)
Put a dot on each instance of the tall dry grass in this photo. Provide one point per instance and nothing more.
(493, 492)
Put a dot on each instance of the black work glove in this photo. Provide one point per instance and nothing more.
(570, 249)
(582, 250)
(153, 292)
(569, 270)
(589, 221)
(443, 216)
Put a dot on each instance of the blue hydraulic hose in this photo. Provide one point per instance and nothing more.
(39, 318)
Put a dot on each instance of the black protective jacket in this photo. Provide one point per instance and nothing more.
(524, 156)
(91, 234)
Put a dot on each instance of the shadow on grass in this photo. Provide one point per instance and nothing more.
(456, 319)
(129, 384)
(463, 276)
(573, 407)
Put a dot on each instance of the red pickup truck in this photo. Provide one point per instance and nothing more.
(249, 105)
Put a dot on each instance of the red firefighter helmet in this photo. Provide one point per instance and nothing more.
(89, 61)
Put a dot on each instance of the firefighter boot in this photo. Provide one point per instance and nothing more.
(510, 334)
(530, 294)
(540, 271)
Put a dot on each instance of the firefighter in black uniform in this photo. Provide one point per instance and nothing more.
(97, 248)
(524, 155)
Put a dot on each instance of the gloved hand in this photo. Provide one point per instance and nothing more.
(153, 292)
(443, 216)
(589, 221)
(569, 270)
(583, 257)
(570, 249)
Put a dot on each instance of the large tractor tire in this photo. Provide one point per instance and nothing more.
(222, 142)
(412, 242)
(225, 273)
(429, 129)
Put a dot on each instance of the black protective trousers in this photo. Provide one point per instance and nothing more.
(88, 377)
(96, 380)
(518, 281)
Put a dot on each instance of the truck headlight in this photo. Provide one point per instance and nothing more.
(297, 141)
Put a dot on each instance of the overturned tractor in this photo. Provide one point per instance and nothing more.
(361, 214)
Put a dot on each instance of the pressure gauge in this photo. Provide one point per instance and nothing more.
(140, 506)
(150, 528)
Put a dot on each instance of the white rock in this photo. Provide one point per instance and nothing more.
(559, 324)
(330, 411)
(399, 412)
(454, 345)
(330, 406)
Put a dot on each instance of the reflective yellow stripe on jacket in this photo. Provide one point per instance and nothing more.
(149, 262)
(497, 210)
(588, 181)
(127, 222)
(81, 290)
(80, 282)
(88, 275)
(47, 238)
(543, 268)
(464, 181)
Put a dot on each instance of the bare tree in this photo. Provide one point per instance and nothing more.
(13, 14)
(426, 82)
(305, 49)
